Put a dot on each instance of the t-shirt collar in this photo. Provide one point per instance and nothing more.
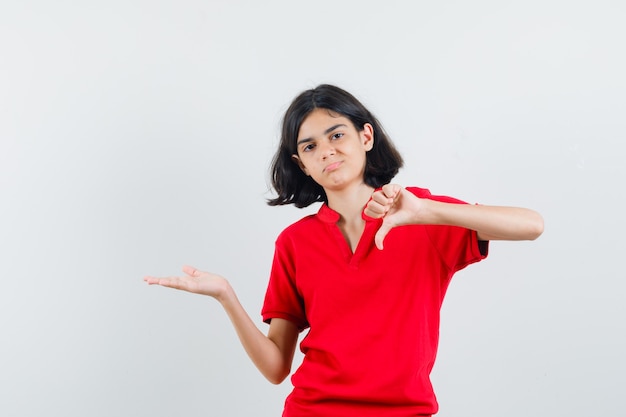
(328, 215)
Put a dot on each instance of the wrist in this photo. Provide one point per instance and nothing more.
(425, 212)
(226, 294)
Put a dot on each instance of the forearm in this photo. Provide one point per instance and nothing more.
(490, 222)
(265, 353)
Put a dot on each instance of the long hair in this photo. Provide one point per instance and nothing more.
(291, 184)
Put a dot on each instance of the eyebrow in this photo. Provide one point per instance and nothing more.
(326, 132)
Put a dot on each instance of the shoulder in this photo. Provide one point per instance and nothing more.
(420, 192)
(303, 226)
(425, 193)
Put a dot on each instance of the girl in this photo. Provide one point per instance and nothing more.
(366, 275)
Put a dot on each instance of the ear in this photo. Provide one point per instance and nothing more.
(298, 161)
(367, 136)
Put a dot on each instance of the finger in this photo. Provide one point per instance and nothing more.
(381, 234)
(376, 210)
(391, 190)
(171, 282)
(380, 198)
(156, 281)
(151, 280)
(191, 271)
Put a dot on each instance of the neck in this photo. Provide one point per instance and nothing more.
(349, 203)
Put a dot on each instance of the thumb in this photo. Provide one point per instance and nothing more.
(381, 234)
(191, 271)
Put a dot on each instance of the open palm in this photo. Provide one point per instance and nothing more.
(195, 281)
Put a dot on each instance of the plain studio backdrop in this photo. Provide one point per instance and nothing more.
(136, 137)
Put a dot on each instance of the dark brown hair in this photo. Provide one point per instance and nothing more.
(295, 187)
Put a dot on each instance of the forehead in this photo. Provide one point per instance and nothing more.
(318, 121)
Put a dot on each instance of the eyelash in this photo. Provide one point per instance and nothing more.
(334, 136)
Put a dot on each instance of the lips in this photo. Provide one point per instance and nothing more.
(332, 167)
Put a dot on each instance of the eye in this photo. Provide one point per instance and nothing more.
(308, 147)
(336, 136)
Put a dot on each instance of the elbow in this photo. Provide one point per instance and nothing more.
(277, 373)
(535, 228)
(276, 381)
(278, 377)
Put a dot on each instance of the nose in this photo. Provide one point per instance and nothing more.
(327, 150)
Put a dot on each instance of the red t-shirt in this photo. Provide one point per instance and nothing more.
(373, 316)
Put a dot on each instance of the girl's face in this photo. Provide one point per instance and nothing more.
(331, 150)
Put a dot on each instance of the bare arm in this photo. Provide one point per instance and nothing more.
(490, 222)
(272, 354)
(397, 207)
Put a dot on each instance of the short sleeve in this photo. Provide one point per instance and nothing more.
(457, 246)
(282, 299)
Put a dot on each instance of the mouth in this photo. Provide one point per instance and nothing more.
(332, 167)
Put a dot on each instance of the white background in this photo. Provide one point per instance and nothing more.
(135, 137)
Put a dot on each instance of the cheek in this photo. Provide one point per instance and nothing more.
(305, 158)
(303, 164)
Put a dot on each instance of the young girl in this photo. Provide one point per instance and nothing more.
(366, 275)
